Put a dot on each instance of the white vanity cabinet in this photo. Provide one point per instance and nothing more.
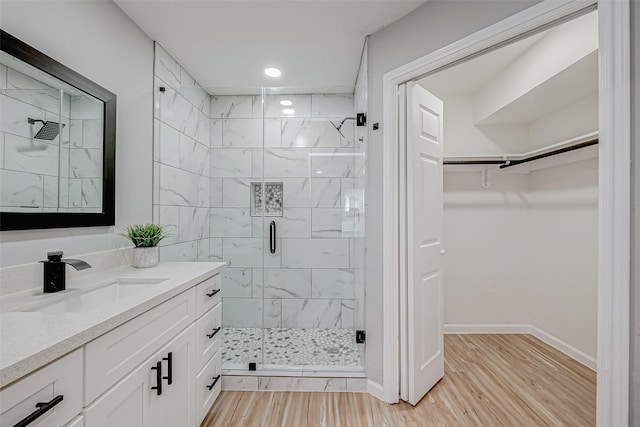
(161, 368)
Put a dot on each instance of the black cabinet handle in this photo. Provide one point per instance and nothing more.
(158, 369)
(43, 407)
(272, 237)
(215, 291)
(215, 331)
(213, 384)
(169, 360)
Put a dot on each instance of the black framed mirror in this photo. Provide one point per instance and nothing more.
(57, 143)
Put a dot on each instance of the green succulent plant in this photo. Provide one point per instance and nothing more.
(145, 235)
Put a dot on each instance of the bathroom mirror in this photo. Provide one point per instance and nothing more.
(57, 143)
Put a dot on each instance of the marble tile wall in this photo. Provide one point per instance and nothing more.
(181, 193)
(310, 281)
(45, 175)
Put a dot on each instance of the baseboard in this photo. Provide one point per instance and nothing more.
(486, 329)
(375, 389)
(567, 349)
(558, 344)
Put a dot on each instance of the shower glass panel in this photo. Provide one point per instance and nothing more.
(287, 207)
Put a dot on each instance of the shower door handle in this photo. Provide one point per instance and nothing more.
(272, 237)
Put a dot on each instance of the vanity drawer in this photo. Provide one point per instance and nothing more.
(208, 294)
(62, 377)
(111, 356)
(209, 335)
(206, 377)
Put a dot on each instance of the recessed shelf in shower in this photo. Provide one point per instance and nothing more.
(273, 198)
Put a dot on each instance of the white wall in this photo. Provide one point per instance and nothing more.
(96, 39)
(431, 26)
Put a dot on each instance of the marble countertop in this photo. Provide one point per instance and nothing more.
(30, 340)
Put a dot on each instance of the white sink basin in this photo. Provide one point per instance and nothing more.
(79, 300)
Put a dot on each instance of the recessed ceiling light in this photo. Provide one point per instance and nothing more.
(272, 72)
(286, 103)
(288, 111)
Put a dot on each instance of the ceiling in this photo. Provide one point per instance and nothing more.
(226, 45)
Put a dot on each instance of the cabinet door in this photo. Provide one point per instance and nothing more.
(176, 405)
(130, 403)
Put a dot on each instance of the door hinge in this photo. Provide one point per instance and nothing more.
(360, 336)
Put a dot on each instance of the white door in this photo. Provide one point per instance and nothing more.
(424, 293)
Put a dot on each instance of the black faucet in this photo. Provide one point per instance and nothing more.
(54, 271)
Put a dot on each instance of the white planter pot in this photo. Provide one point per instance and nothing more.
(146, 257)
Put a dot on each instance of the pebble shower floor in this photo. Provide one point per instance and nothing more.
(290, 346)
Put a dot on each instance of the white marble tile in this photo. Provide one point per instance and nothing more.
(236, 282)
(230, 222)
(338, 162)
(243, 252)
(194, 156)
(295, 222)
(236, 192)
(168, 144)
(242, 133)
(204, 191)
(237, 383)
(302, 384)
(178, 187)
(357, 385)
(256, 106)
(155, 190)
(215, 250)
(75, 133)
(309, 133)
(347, 134)
(310, 313)
(287, 283)
(332, 283)
(169, 217)
(241, 313)
(92, 133)
(191, 90)
(258, 278)
(177, 112)
(272, 313)
(327, 223)
(296, 192)
(50, 191)
(3, 77)
(272, 132)
(194, 223)
(86, 107)
(231, 163)
(216, 193)
(257, 168)
(75, 193)
(332, 105)
(64, 163)
(325, 192)
(33, 156)
(203, 250)
(187, 251)
(347, 314)
(289, 163)
(14, 117)
(166, 67)
(85, 162)
(315, 253)
(231, 107)
(91, 193)
(203, 134)
(33, 92)
(301, 105)
(215, 131)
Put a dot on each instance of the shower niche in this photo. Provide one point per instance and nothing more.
(273, 198)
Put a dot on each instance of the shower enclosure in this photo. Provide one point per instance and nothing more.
(287, 213)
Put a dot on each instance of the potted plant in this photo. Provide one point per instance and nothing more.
(145, 237)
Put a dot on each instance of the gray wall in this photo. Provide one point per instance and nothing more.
(99, 41)
(431, 26)
(635, 216)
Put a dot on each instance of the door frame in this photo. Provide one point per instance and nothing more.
(614, 190)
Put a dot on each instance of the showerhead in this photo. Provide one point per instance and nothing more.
(48, 131)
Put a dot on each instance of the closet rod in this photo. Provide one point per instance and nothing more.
(508, 163)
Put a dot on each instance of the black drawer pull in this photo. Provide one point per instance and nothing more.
(272, 237)
(213, 384)
(43, 407)
(169, 360)
(158, 369)
(215, 291)
(215, 331)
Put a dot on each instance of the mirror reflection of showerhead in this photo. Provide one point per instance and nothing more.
(48, 131)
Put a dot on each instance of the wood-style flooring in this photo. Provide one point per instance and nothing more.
(489, 380)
